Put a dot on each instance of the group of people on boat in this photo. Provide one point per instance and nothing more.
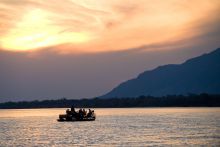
(81, 113)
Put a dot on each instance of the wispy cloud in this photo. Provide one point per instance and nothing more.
(98, 26)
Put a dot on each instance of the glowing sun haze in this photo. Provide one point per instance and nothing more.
(98, 26)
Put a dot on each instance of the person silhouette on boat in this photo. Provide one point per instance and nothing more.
(80, 113)
(73, 112)
(84, 112)
(68, 112)
(73, 109)
(89, 113)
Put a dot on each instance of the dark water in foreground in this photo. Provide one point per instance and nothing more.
(113, 127)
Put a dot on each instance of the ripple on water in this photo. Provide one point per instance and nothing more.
(113, 127)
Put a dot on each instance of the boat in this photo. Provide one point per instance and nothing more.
(77, 116)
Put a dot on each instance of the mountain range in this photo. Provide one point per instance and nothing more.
(197, 75)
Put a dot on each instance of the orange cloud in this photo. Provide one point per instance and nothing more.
(99, 26)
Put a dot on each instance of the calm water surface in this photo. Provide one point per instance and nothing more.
(113, 127)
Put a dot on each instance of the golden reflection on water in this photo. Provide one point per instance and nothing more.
(29, 112)
(113, 127)
(142, 111)
(104, 111)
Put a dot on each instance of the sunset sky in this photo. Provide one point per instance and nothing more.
(103, 31)
(99, 26)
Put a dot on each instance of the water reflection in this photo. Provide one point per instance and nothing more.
(113, 127)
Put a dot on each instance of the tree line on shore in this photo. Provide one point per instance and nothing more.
(191, 100)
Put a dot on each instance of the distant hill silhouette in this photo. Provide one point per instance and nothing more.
(196, 75)
(191, 100)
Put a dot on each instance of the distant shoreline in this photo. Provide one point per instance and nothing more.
(114, 107)
(191, 100)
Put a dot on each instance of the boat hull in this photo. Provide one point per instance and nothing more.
(65, 117)
(73, 120)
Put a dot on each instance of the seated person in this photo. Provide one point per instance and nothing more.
(68, 112)
(80, 113)
(84, 112)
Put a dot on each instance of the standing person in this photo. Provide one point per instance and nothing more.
(73, 112)
(73, 109)
(89, 113)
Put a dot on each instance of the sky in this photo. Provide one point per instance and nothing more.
(75, 49)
